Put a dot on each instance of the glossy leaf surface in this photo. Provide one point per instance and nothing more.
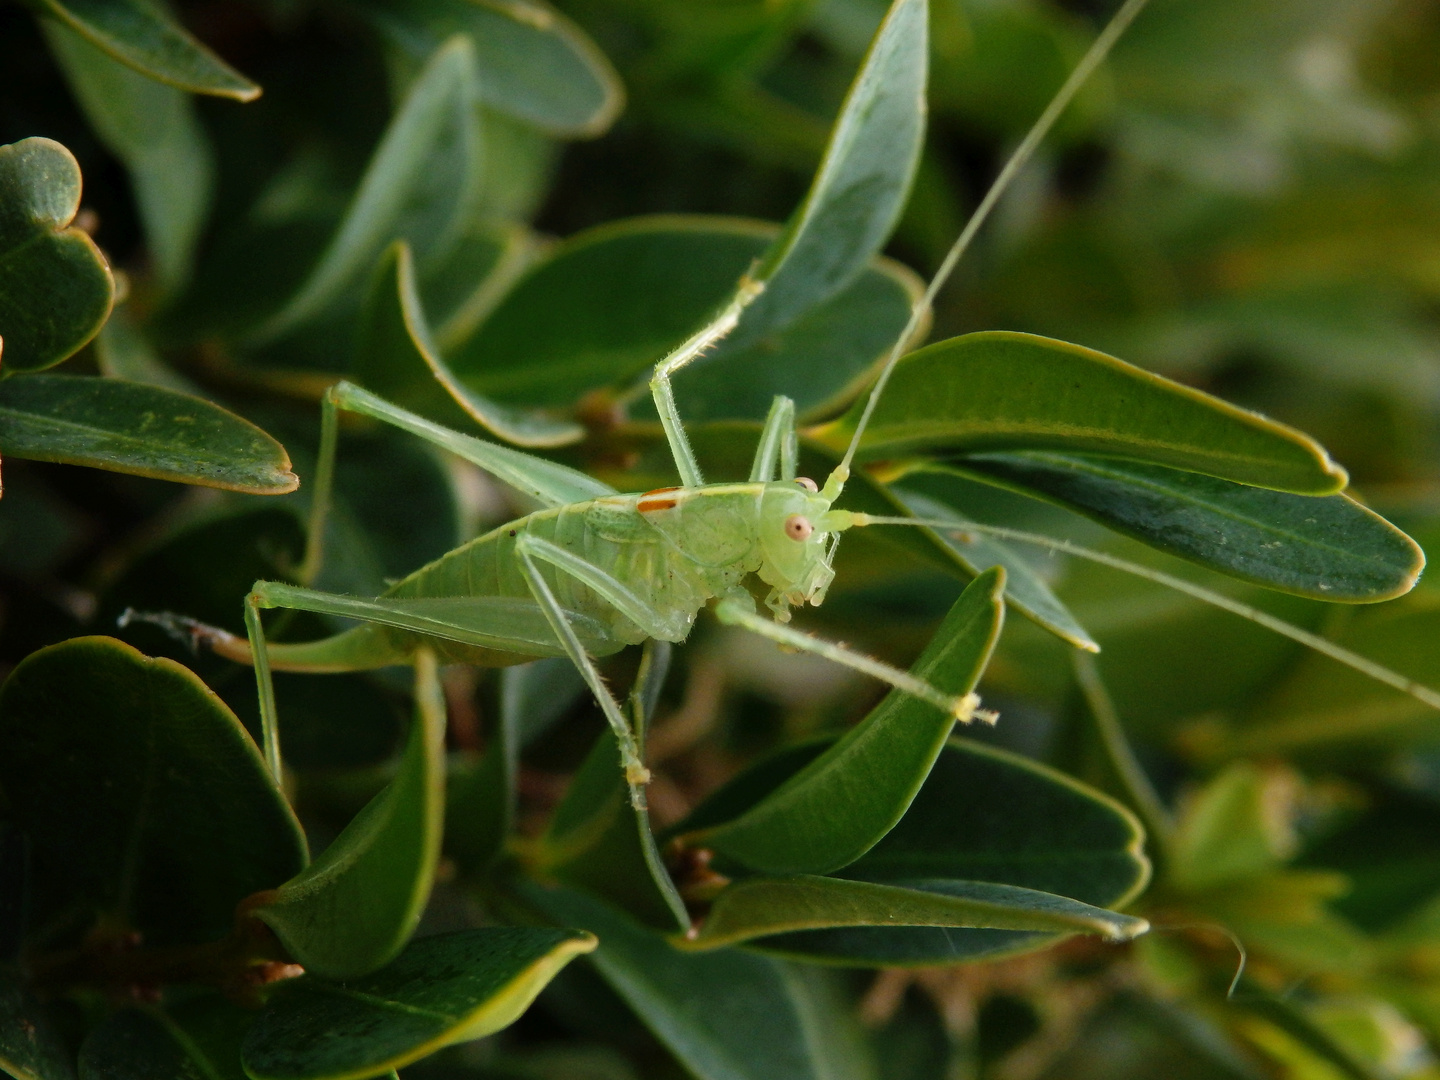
(998, 390)
(164, 817)
(1326, 548)
(352, 909)
(727, 1015)
(863, 179)
(420, 186)
(539, 67)
(142, 35)
(612, 301)
(134, 428)
(55, 286)
(842, 803)
(154, 130)
(984, 816)
(30, 1047)
(443, 989)
(761, 906)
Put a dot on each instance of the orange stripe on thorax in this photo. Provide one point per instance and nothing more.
(655, 500)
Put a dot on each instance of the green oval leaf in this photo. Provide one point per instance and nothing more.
(154, 130)
(397, 360)
(539, 66)
(55, 286)
(142, 35)
(863, 179)
(144, 797)
(728, 1014)
(444, 989)
(1326, 548)
(145, 430)
(984, 816)
(999, 390)
(30, 1047)
(761, 906)
(421, 186)
(610, 302)
(352, 910)
(837, 807)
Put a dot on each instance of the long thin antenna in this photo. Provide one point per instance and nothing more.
(1018, 160)
(1421, 693)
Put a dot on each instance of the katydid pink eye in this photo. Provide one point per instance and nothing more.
(798, 527)
(807, 483)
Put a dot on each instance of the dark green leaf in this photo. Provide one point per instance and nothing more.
(352, 910)
(761, 906)
(985, 816)
(837, 807)
(1025, 590)
(999, 390)
(196, 1040)
(862, 183)
(727, 1015)
(612, 301)
(30, 1047)
(55, 286)
(396, 359)
(441, 990)
(144, 797)
(153, 129)
(122, 352)
(141, 34)
(134, 428)
(539, 67)
(1327, 548)
(421, 186)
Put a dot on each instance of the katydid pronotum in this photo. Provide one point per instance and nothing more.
(595, 570)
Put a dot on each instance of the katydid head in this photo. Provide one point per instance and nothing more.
(798, 536)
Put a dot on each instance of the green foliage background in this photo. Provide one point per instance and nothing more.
(498, 214)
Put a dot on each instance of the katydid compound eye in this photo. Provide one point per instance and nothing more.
(807, 483)
(798, 527)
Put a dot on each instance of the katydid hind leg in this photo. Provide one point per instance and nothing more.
(269, 717)
(636, 774)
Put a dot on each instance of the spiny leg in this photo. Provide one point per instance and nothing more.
(964, 708)
(552, 484)
(687, 351)
(618, 595)
(636, 774)
(778, 443)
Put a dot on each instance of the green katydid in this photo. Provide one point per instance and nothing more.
(595, 570)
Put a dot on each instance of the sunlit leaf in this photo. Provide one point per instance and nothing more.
(134, 428)
(443, 989)
(998, 390)
(1327, 548)
(838, 806)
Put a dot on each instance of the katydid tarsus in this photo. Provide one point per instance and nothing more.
(595, 570)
